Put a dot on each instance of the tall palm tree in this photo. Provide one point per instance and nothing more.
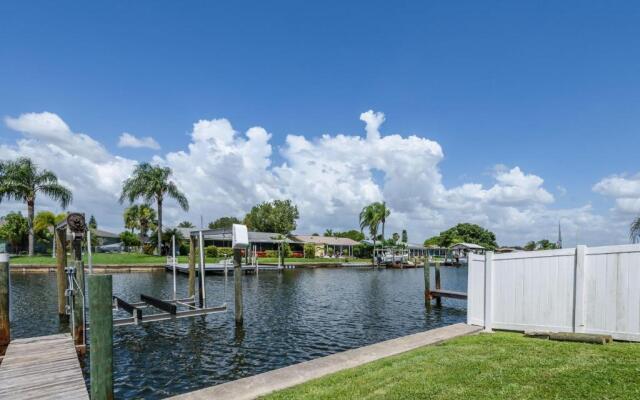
(152, 183)
(21, 180)
(634, 230)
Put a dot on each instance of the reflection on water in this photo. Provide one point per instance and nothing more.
(289, 317)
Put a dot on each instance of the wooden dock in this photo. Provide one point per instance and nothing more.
(42, 367)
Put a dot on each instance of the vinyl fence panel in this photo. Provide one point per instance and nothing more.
(593, 290)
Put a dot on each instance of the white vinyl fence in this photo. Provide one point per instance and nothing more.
(592, 290)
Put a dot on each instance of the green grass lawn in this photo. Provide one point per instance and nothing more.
(135, 258)
(488, 366)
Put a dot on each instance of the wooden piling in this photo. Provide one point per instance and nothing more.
(79, 298)
(427, 281)
(5, 328)
(237, 277)
(438, 299)
(101, 360)
(61, 278)
(192, 267)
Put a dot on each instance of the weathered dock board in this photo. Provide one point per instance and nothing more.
(44, 367)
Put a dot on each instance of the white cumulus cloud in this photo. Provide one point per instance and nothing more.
(129, 140)
(625, 190)
(223, 171)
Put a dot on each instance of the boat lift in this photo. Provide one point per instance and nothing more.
(170, 308)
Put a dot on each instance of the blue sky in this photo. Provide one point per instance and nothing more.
(550, 88)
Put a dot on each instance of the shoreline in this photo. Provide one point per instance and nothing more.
(46, 268)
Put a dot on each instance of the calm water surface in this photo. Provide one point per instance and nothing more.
(291, 316)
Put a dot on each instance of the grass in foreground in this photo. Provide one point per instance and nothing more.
(488, 366)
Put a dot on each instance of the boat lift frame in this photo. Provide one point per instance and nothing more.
(169, 307)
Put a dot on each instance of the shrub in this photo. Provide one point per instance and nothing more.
(272, 253)
(183, 249)
(148, 249)
(129, 239)
(211, 251)
(225, 250)
(309, 250)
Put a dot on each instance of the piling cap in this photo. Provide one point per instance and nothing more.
(240, 236)
(4, 257)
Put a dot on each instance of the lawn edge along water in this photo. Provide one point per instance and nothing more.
(487, 366)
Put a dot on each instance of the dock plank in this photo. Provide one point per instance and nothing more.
(42, 367)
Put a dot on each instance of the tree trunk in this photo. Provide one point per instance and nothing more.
(374, 251)
(30, 212)
(159, 226)
(383, 230)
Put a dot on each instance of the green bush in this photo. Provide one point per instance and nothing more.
(225, 250)
(129, 239)
(211, 251)
(272, 253)
(183, 249)
(148, 249)
(309, 251)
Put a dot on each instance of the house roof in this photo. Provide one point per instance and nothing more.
(105, 234)
(467, 246)
(225, 234)
(328, 240)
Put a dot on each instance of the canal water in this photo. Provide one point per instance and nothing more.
(290, 317)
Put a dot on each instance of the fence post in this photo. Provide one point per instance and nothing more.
(5, 327)
(237, 277)
(61, 278)
(578, 291)
(488, 291)
(101, 361)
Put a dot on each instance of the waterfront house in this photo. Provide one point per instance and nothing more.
(326, 246)
(260, 241)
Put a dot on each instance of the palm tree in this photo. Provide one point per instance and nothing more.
(130, 216)
(384, 214)
(634, 230)
(370, 218)
(152, 183)
(141, 217)
(46, 221)
(21, 180)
